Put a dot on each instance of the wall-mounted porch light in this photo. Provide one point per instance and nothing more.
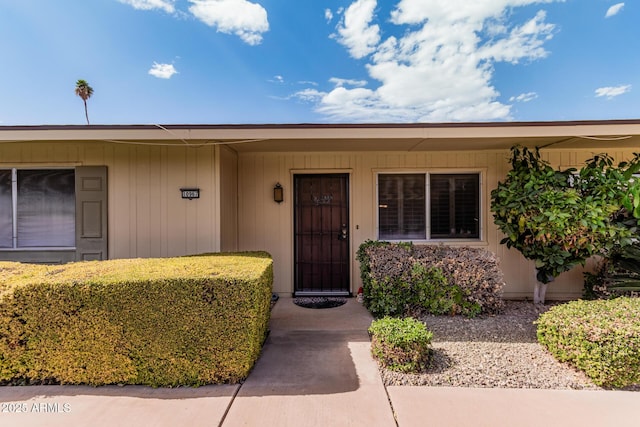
(278, 193)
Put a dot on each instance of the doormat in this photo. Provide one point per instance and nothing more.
(319, 302)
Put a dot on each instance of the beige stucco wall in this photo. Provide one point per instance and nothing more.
(147, 216)
(264, 224)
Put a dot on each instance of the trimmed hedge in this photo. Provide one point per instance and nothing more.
(402, 278)
(159, 322)
(401, 344)
(601, 338)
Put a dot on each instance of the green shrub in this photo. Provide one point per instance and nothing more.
(398, 296)
(400, 277)
(601, 338)
(400, 344)
(616, 275)
(422, 290)
(159, 322)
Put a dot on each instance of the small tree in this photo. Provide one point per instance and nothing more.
(84, 91)
(560, 218)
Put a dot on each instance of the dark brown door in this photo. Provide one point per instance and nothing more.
(321, 233)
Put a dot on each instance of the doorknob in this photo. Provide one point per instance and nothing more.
(343, 232)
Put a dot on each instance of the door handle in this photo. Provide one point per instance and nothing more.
(343, 233)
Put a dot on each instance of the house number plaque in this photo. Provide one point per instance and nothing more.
(324, 199)
(190, 193)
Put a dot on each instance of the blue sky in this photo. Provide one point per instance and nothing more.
(310, 61)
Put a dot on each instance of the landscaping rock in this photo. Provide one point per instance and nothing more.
(491, 351)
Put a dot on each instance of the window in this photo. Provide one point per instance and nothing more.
(401, 207)
(450, 202)
(6, 212)
(455, 210)
(37, 208)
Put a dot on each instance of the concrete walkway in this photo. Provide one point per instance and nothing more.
(315, 370)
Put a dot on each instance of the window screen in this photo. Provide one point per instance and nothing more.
(401, 206)
(46, 208)
(455, 208)
(6, 210)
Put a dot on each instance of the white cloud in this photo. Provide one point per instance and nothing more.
(613, 10)
(441, 65)
(166, 5)
(355, 31)
(162, 71)
(240, 17)
(524, 97)
(328, 15)
(311, 95)
(349, 82)
(525, 41)
(612, 91)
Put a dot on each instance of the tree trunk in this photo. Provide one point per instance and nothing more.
(86, 112)
(539, 292)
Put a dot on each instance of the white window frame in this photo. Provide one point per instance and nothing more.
(481, 172)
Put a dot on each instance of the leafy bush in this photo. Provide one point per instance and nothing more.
(399, 278)
(159, 322)
(400, 344)
(561, 218)
(616, 275)
(601, 338)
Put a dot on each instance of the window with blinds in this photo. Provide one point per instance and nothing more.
(6, 211)
(401, 206)
(37, 208)
(453, 206)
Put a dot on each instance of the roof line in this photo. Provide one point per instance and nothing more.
(328, 125)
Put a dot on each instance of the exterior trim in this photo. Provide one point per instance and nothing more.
(427, 171)
(437, 125)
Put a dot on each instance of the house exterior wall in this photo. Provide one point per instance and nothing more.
(228, 180)
(266, 225)
(146, 215)
(236, 211)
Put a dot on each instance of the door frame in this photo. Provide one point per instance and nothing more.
(349, 173)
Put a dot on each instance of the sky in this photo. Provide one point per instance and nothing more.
(312, 61)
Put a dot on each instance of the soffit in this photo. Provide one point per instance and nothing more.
(598, 135)
(437, 144)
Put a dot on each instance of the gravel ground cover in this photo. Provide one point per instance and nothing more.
(491, 351)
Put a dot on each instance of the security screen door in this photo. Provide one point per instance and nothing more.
(321, 234)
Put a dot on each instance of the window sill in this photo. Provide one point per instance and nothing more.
(40, 249)
(38, 255)
(448, 242)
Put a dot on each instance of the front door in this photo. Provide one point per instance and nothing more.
(321, 234)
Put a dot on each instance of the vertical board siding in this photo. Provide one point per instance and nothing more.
(206, 227)
(177, 210)
(120, 209)
(147, 217)
(228, 189)
(236, 211)
(144, 208)
(265, 225)
(156, 201)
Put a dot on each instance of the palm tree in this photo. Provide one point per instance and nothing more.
(84, 91)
